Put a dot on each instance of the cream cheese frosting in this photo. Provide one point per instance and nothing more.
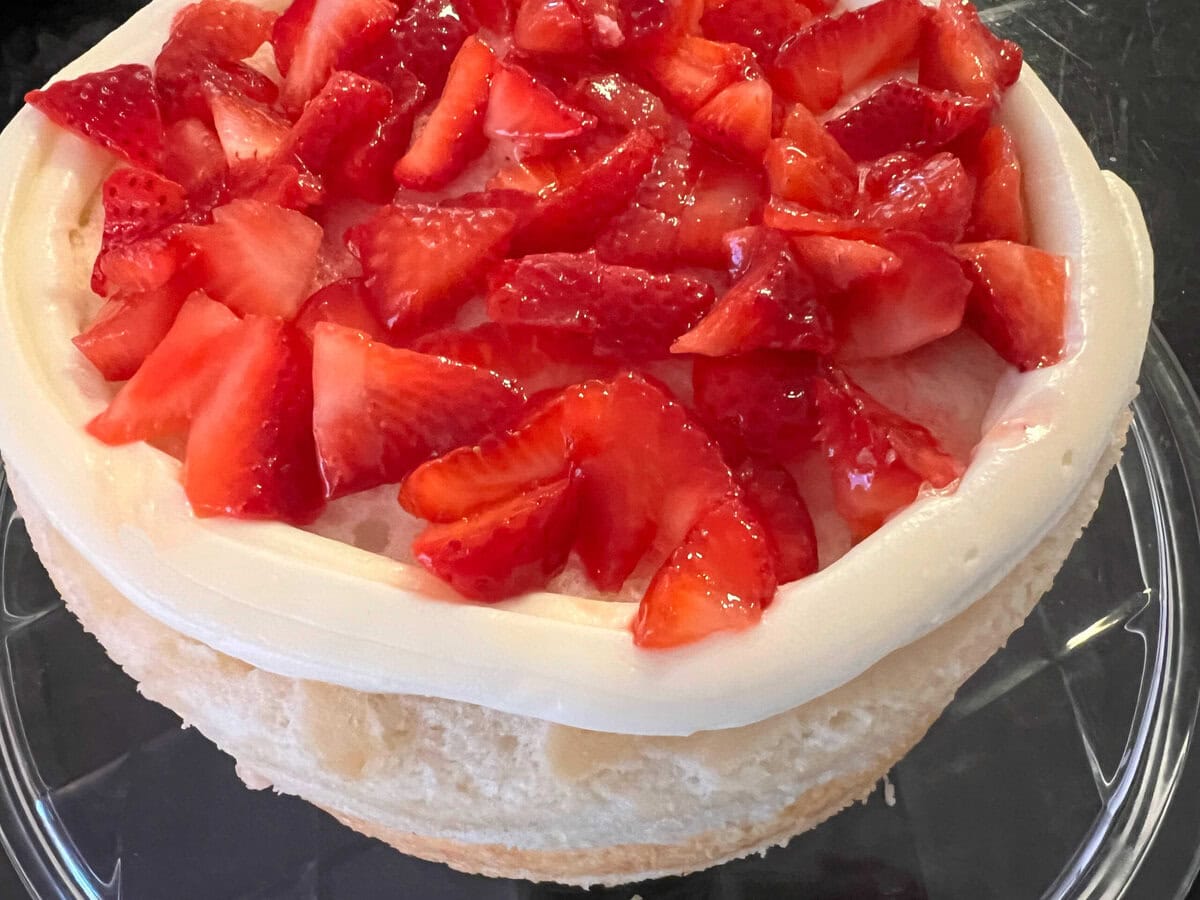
(302, 605)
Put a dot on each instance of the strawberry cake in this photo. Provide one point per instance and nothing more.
(581, 441)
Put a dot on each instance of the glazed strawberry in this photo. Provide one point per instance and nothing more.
(246, 129)
(115, 109)
(136, 252)
(838, 263)
(398, 243)
(379, 412)
(256, 257)
(737, 120)
(719, 579)
(343, 116)
(810, 136)
(496, 15)
(652, 24)
(891, 314)
(550, 26)
(422, 43)
(770, 493)
(761, 25)
(999, 209)
(274, 183)
(693, 71)
(933, 197)
(798, 219)
(526, 111)
(346, 303)
(809, 180)
(193, 157)
(126, 329)
(772, 303)
(1018, 300)
(619, 102)
(453, 134)
(959, 53)
(221, 30)
(504, 550)
(175, 379)
(901, 115)
(250, 451)
(626, 310)
(833, 55)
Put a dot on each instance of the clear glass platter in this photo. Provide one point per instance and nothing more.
(1063, 768)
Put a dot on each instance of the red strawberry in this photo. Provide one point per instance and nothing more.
(136, 253)
(626, 310)
(737, 119)
(343, 116)
(193, 157)
(521, 204)
(344, 303)
(719, 579)
(959, 53)
(838, 263)
(115, 109)
(652, 24)
(772, 303)
(453, 134)
(379, 412)
(550, 26)
(398, 243)
(365, 171)
(618, 102)
(222, 30)
(833, 55)
(274, 183)
(504, 550)
(808, 134)
(693, 71)
(771, 495)
(788, 216)
(495, 15)
(247, 129)
(175, 379)
(250, 451)
(421, 43)
(901, 115)
(126, 329)
(256, 257)
(891, 314)
(1018, 301)
(933, 198)
(999, 209)
(761, 25)
(810, 180)
(522, 109)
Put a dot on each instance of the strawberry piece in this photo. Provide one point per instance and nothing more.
(792, 217)
(550, 26)
(760, 402)
(833, 55)
(959, 53)
(222, 30)
(396, 246)
(246, 129)
(453, 134)
(999, 209)
(770, 493)
(125, 331)
(920, 302)
(346, 303)
(761, 25)
(497, 16)
(343, 115)
(274, 183)
(807, 133)
(625, 310)
(421, 43)
(512, 548)
(379, 412)
(524, 110)
(618, 102)
(365, 170)
(250, 451)
(719, 579)
(772, 303)
(256, 257)
(838, 263)
(136, 253)
(934, 198)
(175, 378)
(737, 119)
(521, 204)
(1018, 300)
(809, 180)
(652, 24)
(114, 109)
(193, 157)
(695, 70)
(901, 115)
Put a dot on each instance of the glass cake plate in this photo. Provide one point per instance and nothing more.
(1061, 770)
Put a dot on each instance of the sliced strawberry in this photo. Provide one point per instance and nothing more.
(126, 329)
(761, 25)
(901, 115)
(256, 257)
(496, 15)
(833, 55)
(247, 129)
(772, 496)
(999, 209)
(453, 134)
(772, 303)
(542, 174)
(136, 253)
(250, 451)
(1018, 300)
(521, 204)
(398, 243)
(838, 263)
(365, 171)
(808, 134)
(380, 412)
(221, 29)
(719, 579)
(346, 303)
(550, 26)
(524, 110)
(920, 302)
(617, 101)
(693, 71)
(344, 114)
(115, 109)
(275, 183)
(625, 310)
(193, 157)
(737, 119)
(810, 180)
(758, 403)
(959, 53)
(651, 24)
(798, 219)
(422, 42)
(933, 198)
(174, 380)
(504, 550)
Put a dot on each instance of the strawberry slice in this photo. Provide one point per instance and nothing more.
(275, 183)
(366, 170)
(761, 25)
(806, 132)
(496, 15)
(833, 55)
(379, 412)
(453, 134)
(772, 303)
(397, 244)
(125, 331)
(422, 43)
(838, 263)
(933, 197)
(345, 113)
(246, 129)
(650, 25)
(737, 119)
(901, 115)
(550, 26)
(770, 493)
(115, 109)
(250, 451)
(999, 209)
(625, 310)
(719, 579)
(812, 181)
(526, 111)
(193, 157)
(346, 303)
(696, 69)
(512, 548)
(797, 219)
(136, 253)
(959, 53)
(618, 102)
(177, 376)
(1018, 300)
(920, 302)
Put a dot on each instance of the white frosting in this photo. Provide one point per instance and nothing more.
(302, 605)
